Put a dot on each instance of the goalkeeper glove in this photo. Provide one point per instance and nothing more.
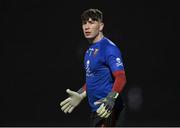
(106, 104)
(72, 101)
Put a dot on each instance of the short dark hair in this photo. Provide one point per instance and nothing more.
(94, 14)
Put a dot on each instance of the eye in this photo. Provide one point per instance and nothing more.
(91, 22)
(84, 22)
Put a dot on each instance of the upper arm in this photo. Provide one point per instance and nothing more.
(114, 58)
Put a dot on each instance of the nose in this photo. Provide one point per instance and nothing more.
(86, 26)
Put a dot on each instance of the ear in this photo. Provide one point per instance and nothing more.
(101, 26)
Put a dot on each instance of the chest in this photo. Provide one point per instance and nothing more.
(94, 59)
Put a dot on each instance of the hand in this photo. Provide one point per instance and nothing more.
(72, 101)
(107, 105)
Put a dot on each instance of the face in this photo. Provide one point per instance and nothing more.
(91, 29)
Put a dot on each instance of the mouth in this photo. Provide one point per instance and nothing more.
(87, 33)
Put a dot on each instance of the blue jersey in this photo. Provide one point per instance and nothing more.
(101, 60)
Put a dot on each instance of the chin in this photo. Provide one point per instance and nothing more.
(89, 37)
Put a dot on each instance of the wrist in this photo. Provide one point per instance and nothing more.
(80, 91)
(113, 95)
(83, 94)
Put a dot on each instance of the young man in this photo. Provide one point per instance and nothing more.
(105, 75)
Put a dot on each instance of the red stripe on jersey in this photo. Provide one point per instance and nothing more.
(84, 87)
(120, 81)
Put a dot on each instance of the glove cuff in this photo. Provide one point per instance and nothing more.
(81, 90)
(83, 94)
(113, 95)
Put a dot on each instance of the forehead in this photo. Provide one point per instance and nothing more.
(90, 20)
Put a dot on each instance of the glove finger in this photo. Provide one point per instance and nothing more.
(65, 106)
(102, 111)
(108, 108)
(104, 114)
(71, 93)
(108, 114)
(65, 101)
(67, 109)
(98, 102)
(100, 108)
(71, 109)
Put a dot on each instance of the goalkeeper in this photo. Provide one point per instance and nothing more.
(105, 75)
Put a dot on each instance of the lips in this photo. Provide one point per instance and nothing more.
(87, 32)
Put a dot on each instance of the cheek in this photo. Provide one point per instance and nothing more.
(83, 27)
(83, 30)
(95, 28)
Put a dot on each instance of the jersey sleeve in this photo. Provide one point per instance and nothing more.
(113, 58)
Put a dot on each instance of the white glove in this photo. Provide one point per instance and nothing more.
(72, 101)
(103, 112)
(106, 104)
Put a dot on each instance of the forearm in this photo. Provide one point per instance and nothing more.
(82, 91)
(83, 94)
(120, 81)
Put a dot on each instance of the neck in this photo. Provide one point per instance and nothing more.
(97, 38)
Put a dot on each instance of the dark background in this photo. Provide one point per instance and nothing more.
(42, 47)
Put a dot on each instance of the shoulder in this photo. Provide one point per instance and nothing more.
(110, 46)
(109, 42)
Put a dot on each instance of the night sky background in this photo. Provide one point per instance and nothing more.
(41, 55)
